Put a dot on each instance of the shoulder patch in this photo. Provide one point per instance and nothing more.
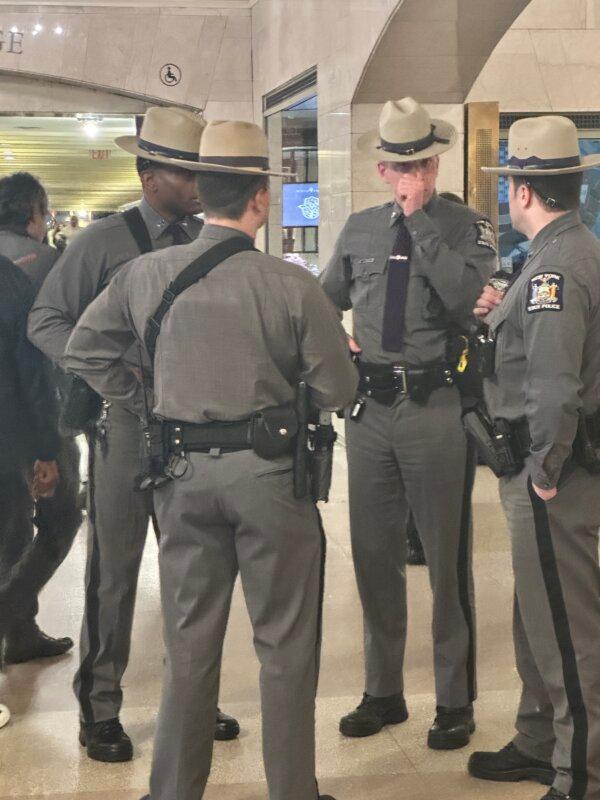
(545, 292)
(486, 235)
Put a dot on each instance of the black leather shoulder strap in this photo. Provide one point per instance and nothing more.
(137, 228)
(194, 272)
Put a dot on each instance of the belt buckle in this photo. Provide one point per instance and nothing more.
(400, 372)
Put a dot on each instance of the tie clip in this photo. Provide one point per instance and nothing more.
(398, 258)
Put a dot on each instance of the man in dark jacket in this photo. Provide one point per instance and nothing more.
(29, 447)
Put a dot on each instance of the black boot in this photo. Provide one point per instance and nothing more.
(30, 643)
(508, 765)
(106, 741)
(415, 555)
(372, 714)
(452, 728)
(226, 728)
(554, 794)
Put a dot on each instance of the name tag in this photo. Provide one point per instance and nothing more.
(398, 258)
(366, 260)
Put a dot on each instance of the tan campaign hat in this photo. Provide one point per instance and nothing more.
(235, 148)
(546, 145)
(168, 136)
(407, 133)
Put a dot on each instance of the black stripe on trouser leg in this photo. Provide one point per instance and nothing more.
(463, 564)
(562, 630)
(321, 599)
(91, 597)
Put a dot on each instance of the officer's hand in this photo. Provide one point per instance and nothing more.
(545, 494)
(45, 479)
(490, 298)
(353, 345)
(410, 193)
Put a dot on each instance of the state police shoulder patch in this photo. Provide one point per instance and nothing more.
(486, 235)
(545, 292)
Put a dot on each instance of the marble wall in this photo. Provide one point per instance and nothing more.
(337, 36)
(124, 49)
(548, 61)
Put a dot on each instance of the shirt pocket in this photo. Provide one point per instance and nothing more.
(369, 279)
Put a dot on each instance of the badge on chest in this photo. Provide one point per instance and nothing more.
(545, 293)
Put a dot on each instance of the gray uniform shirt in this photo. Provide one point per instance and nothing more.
(36, 259)
(453, 255)
(547, 331)
(235, 342)
(85, 270)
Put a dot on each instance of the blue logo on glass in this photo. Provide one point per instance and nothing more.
(300, 205)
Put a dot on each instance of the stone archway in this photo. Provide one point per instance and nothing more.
(435, 49)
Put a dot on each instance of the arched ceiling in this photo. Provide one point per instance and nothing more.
(435, 49)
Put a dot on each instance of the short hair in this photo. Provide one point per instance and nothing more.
(560, 192)
(227, 196)
(21, 195)
(143, 164)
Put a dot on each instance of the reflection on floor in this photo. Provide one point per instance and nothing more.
(40, 756)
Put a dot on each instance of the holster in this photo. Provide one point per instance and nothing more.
(586, 447)
(322, 437)
(156, 457)
(80, 405)
(500, 443)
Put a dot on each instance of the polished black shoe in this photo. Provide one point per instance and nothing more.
(106, 741)
(452, 728)
(372, 714)
(35, 645)
(226, 727)
(554, 794)
(509, 765)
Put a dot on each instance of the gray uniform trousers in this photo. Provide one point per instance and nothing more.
(415, 457)
(118, 520)
(231, 513)
(557, 625)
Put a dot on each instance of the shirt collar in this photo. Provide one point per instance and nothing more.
(221, 233)
(157, 224)
(554, 228)
(397, 212)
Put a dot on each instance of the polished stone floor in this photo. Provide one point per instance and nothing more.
(40, 756)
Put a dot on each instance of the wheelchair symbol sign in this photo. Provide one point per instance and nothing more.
(170, 74)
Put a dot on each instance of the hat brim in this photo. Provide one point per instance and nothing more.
(369, 144)
(130, 145)
(587, 162)
(197, 166)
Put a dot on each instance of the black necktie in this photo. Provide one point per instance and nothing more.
(177, 233)
(392, 337)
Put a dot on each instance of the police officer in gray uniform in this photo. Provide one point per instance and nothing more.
(546, 388)
(410, 269)
(118, 515)
(231, 351)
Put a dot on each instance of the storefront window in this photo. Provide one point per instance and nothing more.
(293, 231)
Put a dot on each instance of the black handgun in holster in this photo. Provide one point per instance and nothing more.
(156, 457)
(80, 405)
(586, 447)
(313, 455)
(498, 441)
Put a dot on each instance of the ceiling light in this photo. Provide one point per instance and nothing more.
(38, 28)
(58, 30)
(14, 29)
(9, 155)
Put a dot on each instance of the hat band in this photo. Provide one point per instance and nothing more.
(236, 161)
(533, 162)
(159, 150)
(410, 148)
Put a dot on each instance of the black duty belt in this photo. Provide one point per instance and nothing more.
(384, 382)
(189, 437)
